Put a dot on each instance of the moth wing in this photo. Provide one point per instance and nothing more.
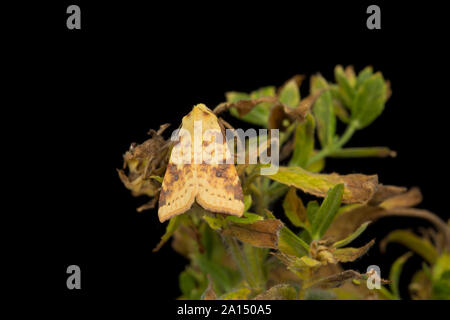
(179, 186)
(219, 188)
(177, 192)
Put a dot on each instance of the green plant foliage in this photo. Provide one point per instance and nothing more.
(396, 270)
(369, 101)
(304, 142)
(353, 236)
(325, 214)
(440, 278)
(290, 243)
(290, 94)
(420, 246)
(294, 209)
(297, 252)
(259, 114)
(324, 112)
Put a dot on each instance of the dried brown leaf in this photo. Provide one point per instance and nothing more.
(149, 205)
(281, 112)
(351, 254)
(336, 280)
(262, 233)
(298, 78)
(143, 161)
(358, 188)
(346, 223)
(385, 192)
(408, 199)
(242, 106)
(138, 185)
(294, 208)
(279, 292)
(209, 293)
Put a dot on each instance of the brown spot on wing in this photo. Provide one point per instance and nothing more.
(236, 190)
(163, 196)
(206, 143)
(223, 171)
(173, 174)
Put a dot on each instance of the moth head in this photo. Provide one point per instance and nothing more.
(201, 108)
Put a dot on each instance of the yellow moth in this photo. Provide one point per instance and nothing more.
(200, 169)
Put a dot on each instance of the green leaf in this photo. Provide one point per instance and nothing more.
(440, 276)
(305, 236)
(369, 101)
(157, 178)
(246, 218)
(302, 267)
(414, 243)
(323, 111)
(340, 111)
(187, 283)
(214, 222)
(289, 243)
(222, 276)
(234, 96)
(350, 75)
(192, 283)
(363, 75)
(327, 211)
(441, 268)
(385, 294)
(351, 254)
(268, 91)
(304, 262)
(170, 229)
(441, 290)
(316, 166)
(255, 260)
(259, 115)
(294, 209)
(247, 202)
(353, 236)
(290, 94)
(345, 89)
(304, 142)
(358, 188)
(214, 248)
(311, 210)
(396, 271)
(238, 294)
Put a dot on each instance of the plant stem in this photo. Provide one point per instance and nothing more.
(240, 260)
(284, 136)
(276, 190)
(318, 156)
(351, 128)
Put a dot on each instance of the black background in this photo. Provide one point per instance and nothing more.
(87, 94)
